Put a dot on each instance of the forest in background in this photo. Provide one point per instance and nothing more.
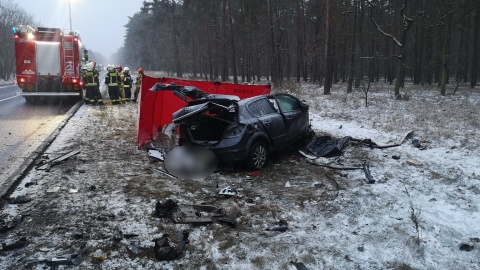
(319, 41)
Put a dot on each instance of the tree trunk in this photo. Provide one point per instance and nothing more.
(352, 49)
(232, 41)
(446, 45)
(328, 50)
(474, 70)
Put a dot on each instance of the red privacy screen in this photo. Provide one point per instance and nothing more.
(156, 107)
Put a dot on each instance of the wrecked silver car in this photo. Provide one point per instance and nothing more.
(245, 131)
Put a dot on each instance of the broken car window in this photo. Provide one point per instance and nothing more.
(261, 107)
(288, 103)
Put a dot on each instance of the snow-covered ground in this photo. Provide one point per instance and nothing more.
(421, 213)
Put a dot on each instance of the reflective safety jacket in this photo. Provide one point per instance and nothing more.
(112, 79)
(90, 77)
(139, 80)
(127, 80)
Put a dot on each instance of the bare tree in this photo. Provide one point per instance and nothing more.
(11, 15)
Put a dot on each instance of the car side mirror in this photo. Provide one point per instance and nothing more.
(304, 103)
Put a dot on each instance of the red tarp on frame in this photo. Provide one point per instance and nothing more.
(156, 107)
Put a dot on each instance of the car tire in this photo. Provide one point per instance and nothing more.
(258, 156)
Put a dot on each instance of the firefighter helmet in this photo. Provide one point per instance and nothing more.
(119, 68)
(126, 70)
(90, 65)
(140, 70)
(94, 63)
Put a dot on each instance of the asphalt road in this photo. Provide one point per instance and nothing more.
(23, 129)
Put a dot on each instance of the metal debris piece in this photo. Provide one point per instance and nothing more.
(160, 155)
(57, 160)
(417, 144)
(188, 213)
(7, 224)
(53, 190)
(201, 214)
(165, 210)
(287, 184)
(28, 184)
(19, 200)
(118, 234)
(72, 190)
(164, 173)
(282, 226)
(16, 244)
(133, 248)
(77, 233)
(366, 170)
(74, 259)
(228, 192)
(413, 162)
(299, 265)
(165, 250)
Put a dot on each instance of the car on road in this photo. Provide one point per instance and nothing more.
(240, 131)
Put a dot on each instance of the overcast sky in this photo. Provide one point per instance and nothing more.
(100, 22)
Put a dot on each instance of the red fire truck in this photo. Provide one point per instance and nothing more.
(48, 62)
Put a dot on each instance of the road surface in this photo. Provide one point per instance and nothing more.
(23, 128)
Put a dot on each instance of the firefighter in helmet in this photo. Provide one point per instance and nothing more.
(112, 80)
(92, 84)
(138, 83)
(127, 84)
(120, 83)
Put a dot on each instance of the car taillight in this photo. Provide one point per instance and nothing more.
(74, 80)
(81, 83)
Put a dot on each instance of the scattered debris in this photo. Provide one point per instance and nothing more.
(366, 170)
(287, 184)
(326, 146)
(28, 184)
(250, 201)
(165, 210)
(299, 265)
(7, 224)
(187, 213)
(228, 192)
(16, 244)
(416, 143)
(413, 162)
(77, 233)
(99, 259)
(160, 155)
(19, 200)
(365, 167)
(133, 248)
(57, 160)
(466, 247)
(74, 259)
(118, 234)
(282, 227)
(72, 190)
(92, 187)
(165, 250)
(158, 170)
(53, 190)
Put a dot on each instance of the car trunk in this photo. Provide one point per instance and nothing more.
(206, 122)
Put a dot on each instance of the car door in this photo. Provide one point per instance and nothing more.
(271, 120)
(294, 114)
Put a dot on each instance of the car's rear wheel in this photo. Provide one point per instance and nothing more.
(258, 156)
